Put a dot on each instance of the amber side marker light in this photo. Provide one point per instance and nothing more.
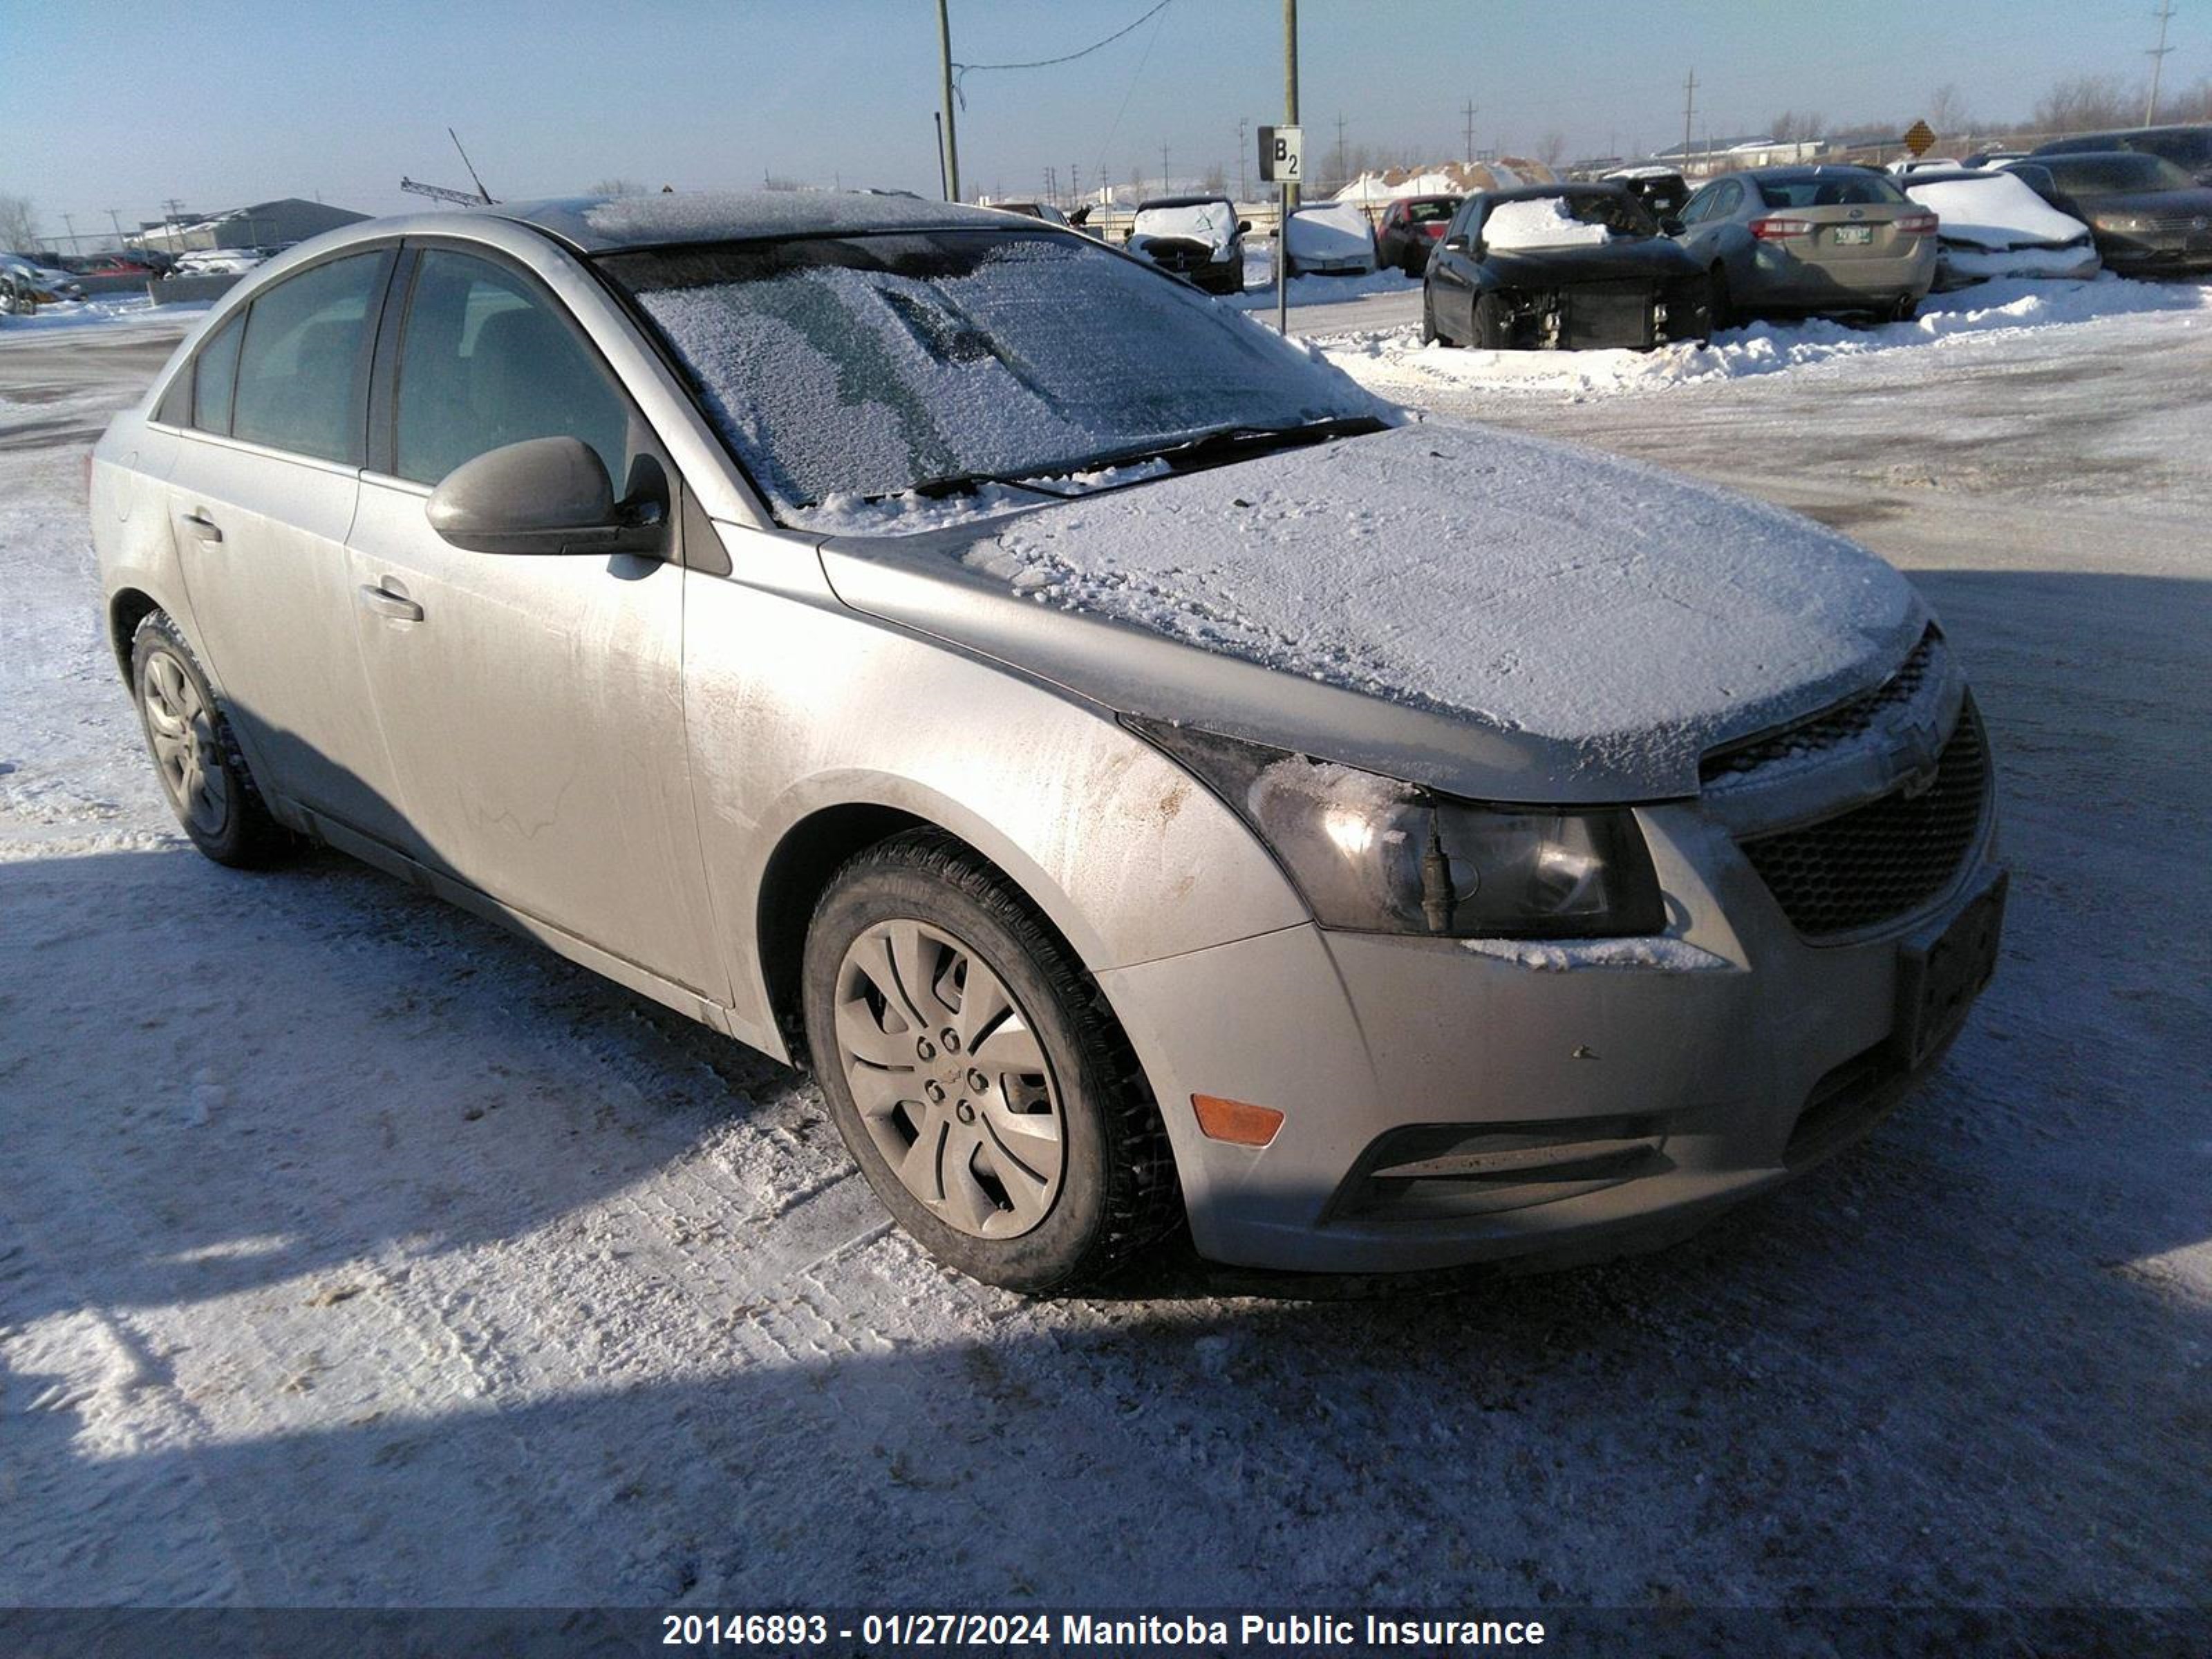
(1234, 1121)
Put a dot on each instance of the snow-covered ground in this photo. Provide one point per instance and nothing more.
(353, 1251)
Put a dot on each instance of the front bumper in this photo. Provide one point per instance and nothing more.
(1635, 1100)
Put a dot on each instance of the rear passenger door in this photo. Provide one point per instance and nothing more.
(273, 411)
(532, 702)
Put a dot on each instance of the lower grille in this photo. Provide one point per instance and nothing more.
(1882, 860)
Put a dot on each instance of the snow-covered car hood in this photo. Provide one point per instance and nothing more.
(1334, 233)
(1210, 224)
(1499, 616)
(1996, 211)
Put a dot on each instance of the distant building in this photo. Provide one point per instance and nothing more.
(1709, 156)
(266, 224)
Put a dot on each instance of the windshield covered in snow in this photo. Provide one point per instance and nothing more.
(872, 365)
(1210, 222)
(1571, 219)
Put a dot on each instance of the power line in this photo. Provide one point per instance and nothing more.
(1107, 144)
(962, 70)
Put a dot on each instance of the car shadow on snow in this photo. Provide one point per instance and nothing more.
(1957, 1364)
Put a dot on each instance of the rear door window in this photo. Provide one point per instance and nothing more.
(303, 368)
(487, 360)
(215, 374)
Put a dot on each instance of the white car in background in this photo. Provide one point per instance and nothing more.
(1334, 237)
(24, 285)
(1990, 223)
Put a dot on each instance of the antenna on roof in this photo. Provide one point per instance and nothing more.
(470, 165)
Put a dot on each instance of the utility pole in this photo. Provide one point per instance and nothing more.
(70, 225)
(1164, 169)
(1242, 121)
(114, 220)
(1290, 81)
(1467, 112)
(2165, 15)
(1342, 179)
(951, 133)
(1689, 105)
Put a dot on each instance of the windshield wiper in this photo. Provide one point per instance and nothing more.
(1225, 443)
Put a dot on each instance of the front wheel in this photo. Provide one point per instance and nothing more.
(1493, 329)
(977, 1075)
(202, 771)
(1428, 319)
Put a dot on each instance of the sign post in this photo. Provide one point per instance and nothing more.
(1282, 163)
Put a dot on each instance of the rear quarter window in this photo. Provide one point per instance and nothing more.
(302, 369)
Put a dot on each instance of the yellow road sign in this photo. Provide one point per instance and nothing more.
(1920, 137)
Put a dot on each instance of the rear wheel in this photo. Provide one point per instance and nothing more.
(976, 1074)
(1720, 308)
(202, 771)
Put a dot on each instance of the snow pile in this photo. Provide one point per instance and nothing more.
(1668, 956)
(1533, 586)
(1994, 211)
(1394, 363)
(1448, 178)
(636, 220)
(118, 308)
(1543, 222)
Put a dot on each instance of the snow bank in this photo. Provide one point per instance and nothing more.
(1543, 222)
(135, 308)
(1394, 364)
(1997, 210)
(1533, 586)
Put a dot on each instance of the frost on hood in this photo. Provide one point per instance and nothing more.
(1542, 222)
(1532, 586)
(1655, 952)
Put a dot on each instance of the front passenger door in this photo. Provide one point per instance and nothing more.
(532, 703)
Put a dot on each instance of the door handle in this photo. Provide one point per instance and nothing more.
(386, 603)
(202, 526)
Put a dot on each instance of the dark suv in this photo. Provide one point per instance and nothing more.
(2188, 148)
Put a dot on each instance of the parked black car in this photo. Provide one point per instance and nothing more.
(1561, 265)
(2149, 218)
(2188, 146)
(1197, 238)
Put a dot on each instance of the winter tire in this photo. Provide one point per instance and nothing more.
(202, 771)
(976, 1074)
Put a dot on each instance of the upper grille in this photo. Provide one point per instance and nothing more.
(1843, 724)
(1883, 859)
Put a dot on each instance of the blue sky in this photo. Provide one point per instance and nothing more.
(224, 101)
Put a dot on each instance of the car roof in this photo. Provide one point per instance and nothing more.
(606, 224)
(1790, 175)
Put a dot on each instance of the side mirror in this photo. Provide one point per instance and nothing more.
(1454, 244)
(1243, 227)
(541, 496)
(1671, 225)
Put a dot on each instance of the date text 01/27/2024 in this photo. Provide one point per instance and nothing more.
(1260, 1631)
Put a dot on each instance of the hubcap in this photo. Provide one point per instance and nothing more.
(949, 1079)
(181, 728)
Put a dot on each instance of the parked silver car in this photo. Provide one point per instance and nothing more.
(1810, 240)
(1142, 777)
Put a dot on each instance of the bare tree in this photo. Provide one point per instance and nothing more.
(1552, 148)
(1791, 128)
(2084, 103)
(616, 186)
(1217, 181)
(19, 226)
(1946, 110)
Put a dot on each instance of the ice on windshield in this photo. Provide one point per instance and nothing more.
(1545, 222)
(867, 366)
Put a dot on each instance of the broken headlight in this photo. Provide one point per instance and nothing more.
(1377, 855)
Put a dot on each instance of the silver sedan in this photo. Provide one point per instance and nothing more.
(1145, 780)
(1810, 240)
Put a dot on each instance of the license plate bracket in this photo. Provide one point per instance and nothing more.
(1940, 973)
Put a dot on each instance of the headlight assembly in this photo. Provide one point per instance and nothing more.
(1373, 854)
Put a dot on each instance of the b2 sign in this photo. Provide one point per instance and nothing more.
(1282, 155)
